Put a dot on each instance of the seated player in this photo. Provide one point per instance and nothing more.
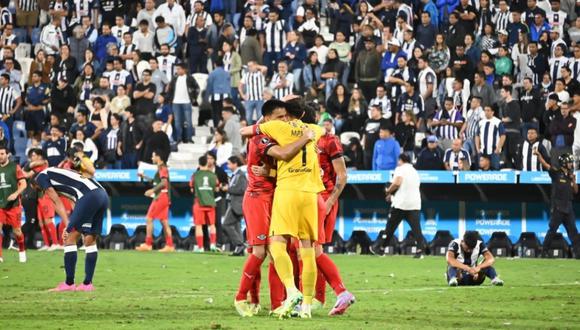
(91, 203)
(469, 262)
(204, 184)
(159, 208)
(257, 208)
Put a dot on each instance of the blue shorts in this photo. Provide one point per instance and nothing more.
(89, 212)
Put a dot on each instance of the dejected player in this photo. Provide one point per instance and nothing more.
(12, 184)
(334, 174)
(159, 208)
(257, 207)
(469, 262)
(294, 209)
(91, 202)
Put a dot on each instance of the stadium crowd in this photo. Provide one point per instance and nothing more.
(455, 84)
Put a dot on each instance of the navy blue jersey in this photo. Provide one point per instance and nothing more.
(66, 182)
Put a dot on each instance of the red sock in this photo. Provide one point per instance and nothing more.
(20, 241)
(255, 290)
(212, 238)
(60, 231)
(251, 267)
(331, 273)
(168, 240)
(52, 231)
(149, 240)
(1, 242)
(199, 240)
(277, 290)
(44, 235)
(320, 293)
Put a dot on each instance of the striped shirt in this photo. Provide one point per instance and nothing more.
(557, 63)
(5, 16)
(112, 138)
(530, 162)
(127, 49)
(474, 116)
(8, 96)
(254, 83)
(118, 31)
(67, 182)
(502, 19)
(275, 36)
(192, 18)
(574, 64)
(466, 258)
(28, 5)
(452, 159)
(490, 130)
(281, 92)
(83, 7)
(118, 78)
(448, 131)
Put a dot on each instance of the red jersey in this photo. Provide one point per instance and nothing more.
(258, 155)
(330, 149)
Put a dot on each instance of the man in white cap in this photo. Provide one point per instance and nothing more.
(394, 51)
(556, 37)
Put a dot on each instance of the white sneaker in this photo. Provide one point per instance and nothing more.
(1, 260)
(497, 281)
(22, 256)
(43, 248)
(55, 247)
(12, 246)
(453, 281)
(197, 249)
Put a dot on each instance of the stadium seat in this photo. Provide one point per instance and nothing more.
(558, 247)
(527, 246)
(189, 242)
(118, 238)
(409, 244)
(346, 136)
(160, 241)
(22, 51)
(336, 246)
(138, 236)
(500, 244)
(440, 243)
(381, 247)
(359, 243)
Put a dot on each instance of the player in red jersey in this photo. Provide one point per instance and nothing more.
(159, 208)
(257, 208)
(334, 178)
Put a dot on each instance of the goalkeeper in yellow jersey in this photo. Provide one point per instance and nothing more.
(295, 206)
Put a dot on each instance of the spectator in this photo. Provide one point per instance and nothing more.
(119, 76)
(197, 46)
(427, 82)
(39, 63)
(457, 158)
(182, 94)
(562, 132)
(82, 124)
(332, 72)
(357, 108)
(164, 34)
(221, 147)
(119, 29)
(482, 90)
(370, 133)
(354, 155)
(313, 82)
(11, 100)
(111, 150)
(37, 97)
(320, 48)
(490, 138)
(89, 147)
(405, 133)
(15, 74)
(342, 48)
(448, 122)
(456, 31)
(231, 128)
(386, 151)
(531, 106)
(158, 77)
(470, 128)
(411, 100)
(552, 112)
(337, 106)
(275, 39)
(250, 49)
(218, 88)
(233, 64)
(282, 83)
(55, 147)
(173, 16)
(390, 59)
(381, 99)
(427, 30)
(144, 97)
(431, 157)
(295, 55)
(485, 163)
(528, 160)
(121, 101)
(511, 119)
(439, 54)
(85, 83)
(102, 43)
(143, 38)
(251, 89)
(51, 36)
(131, 140)
(365, 72)
(155, 139)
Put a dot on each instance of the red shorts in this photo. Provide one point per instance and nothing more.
(159, 208)
(67, 204)
(257, 209)
(45, 209)
(326, 222)
(203, 215)
(11, 217)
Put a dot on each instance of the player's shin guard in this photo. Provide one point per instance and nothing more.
(70, 263)
(255, 290)
(251, 268)
(308, 273)
(52, 232)
(283, 265)
(277, 293)
(20, 241)
(320, 293)
(328, 268)
(90, 263)
(44, 232)
(490, 272)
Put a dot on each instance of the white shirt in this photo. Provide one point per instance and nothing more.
(118, 31)
(181, 95)
(174, 16)
(51, 36)
(143, 42)
(408, 196)
(322, 52)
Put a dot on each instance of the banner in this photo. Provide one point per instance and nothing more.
(487, 177)
(535, 178)
(487, 218)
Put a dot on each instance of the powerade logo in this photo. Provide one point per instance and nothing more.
(367, 177)
(115, 176)
(487, 177)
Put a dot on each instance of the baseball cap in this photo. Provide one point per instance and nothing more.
(431, 139)
(394, 42)
(504, 32)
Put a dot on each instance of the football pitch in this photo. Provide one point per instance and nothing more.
(191, 291)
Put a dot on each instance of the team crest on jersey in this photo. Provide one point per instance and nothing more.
(262, 237)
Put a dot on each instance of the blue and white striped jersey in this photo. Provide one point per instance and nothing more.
(465, 258)
(66, 182)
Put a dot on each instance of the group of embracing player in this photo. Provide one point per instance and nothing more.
(296, 173)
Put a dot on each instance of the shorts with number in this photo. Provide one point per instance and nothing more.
(257, 209)
(11, 217)
(203, 215)
(326, 222)
(26, 18)
(45, 208)
(89, 212)
(159, 208)
(295, 213)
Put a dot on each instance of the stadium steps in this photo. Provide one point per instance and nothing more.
(187, 154)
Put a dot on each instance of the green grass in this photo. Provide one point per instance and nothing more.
(187, 291)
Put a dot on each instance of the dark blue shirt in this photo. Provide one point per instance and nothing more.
(162, 113)
(89, 129)
(35, 95)
(54, 151)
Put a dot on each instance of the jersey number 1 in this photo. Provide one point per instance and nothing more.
(304, 156)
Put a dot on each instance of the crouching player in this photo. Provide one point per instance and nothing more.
(469, 262)
(257, 207)
(159, 208)
(91, 202)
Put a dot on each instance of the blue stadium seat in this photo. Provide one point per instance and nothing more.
(138, 237)
(558, 247)
(500, 244)
(527, 246)
(118, 238)
(359, 243)
(440, 243)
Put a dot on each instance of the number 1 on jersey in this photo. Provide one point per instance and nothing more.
(304, 156)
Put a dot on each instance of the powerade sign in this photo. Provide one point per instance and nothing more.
(487, 177)
(487, 218)
(131, 175)
(437, 177)
(368, 177)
